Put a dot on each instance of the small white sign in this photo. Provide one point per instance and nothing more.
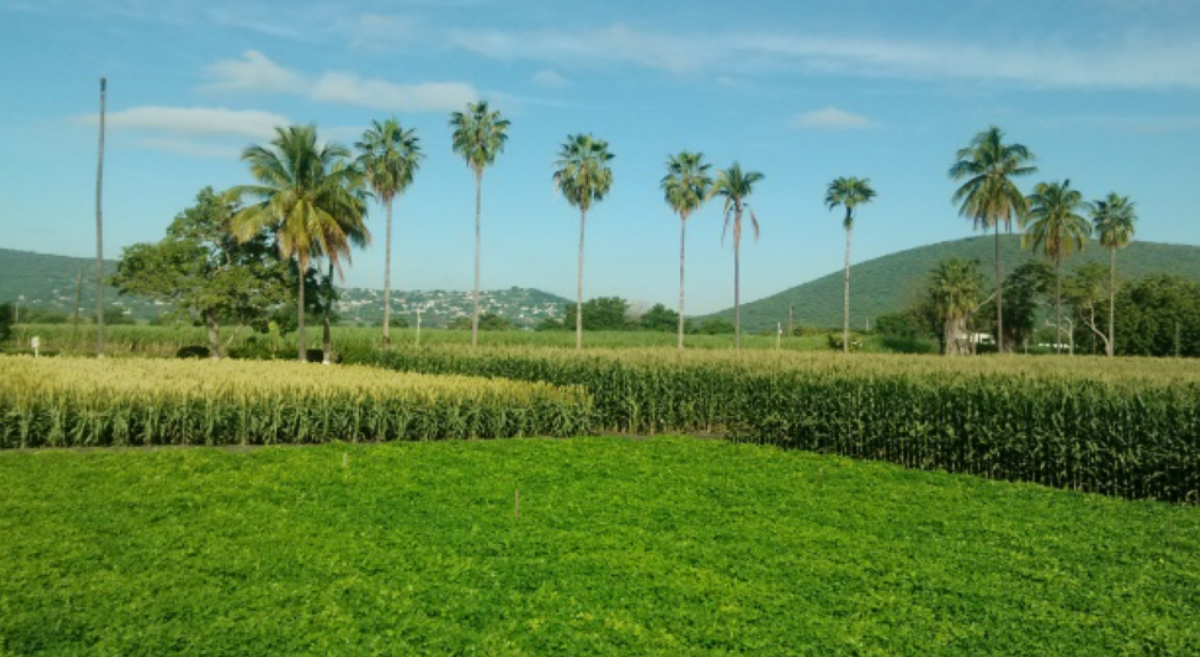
(35, 342)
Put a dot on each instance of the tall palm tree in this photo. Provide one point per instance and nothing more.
(1057, 228)
(583, 176)
(300, 195)
(735, 186)
(686, 188)
(954, 288)
(848, 193)
(479, 135)
(989, 196)
(1113, 219)
(389, 156)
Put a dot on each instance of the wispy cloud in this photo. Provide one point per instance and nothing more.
(550, 78)
(831, 118)
(192, 121)
(254, 72)
(1134, 62)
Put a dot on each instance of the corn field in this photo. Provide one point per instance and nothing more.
(1129, 428)
(67, 402)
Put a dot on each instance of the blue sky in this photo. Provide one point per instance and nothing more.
(1105, 92)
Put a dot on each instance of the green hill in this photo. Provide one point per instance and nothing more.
(885, 284)
(51, 282)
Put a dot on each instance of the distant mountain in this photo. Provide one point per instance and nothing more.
(51, 282)
(885, 284)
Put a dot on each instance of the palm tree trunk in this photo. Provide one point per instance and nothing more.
(999, 296)
(579, 302)
(478, 240)
(1111, 347)
(387, 281)
(1057, 306)
(846, 291)
(100, 230)
(682, 243)
(326, 332)
(737, 284)
(302, 268)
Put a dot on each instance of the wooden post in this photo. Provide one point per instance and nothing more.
(100, 230)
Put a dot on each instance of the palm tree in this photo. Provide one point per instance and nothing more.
(736, 186)
(389, 156)
(849, 193)
(1057, 228)
(1113, 220)
(301, 195)
(686, 188)
(583, 176)
(954, 289)
(479, 136)
(990, 197)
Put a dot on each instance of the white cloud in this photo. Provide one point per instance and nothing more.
(1133, 62)
(255, 72)
(252, 72)
(831, 118)
(351, 89)
(193, 121)
(550, 78)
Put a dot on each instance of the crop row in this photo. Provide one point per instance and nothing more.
(1126, 429)
(65, 402)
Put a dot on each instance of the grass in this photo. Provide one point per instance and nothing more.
(671, 546)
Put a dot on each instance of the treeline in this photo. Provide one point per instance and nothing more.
(1156, 315)
(616, 314)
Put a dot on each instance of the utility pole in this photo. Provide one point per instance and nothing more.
(100, 231)
(791, 319)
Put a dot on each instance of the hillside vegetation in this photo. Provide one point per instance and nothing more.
(885, 284)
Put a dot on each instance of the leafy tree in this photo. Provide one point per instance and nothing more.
(1159, 316)
(1086, 289)
(685, 188)
(1025, 292)
(351, 231)
(583, 176)
(1058, 229)
(989, 196)
(1113, 219)
(479, 135)
(389, 156)
(848, 193)
(955, 287)
(735, 187)
(302, 191)
(550, 324)
(204, 271)
(716, 326)
(599, 314)
(660, 318)
(6, 321)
